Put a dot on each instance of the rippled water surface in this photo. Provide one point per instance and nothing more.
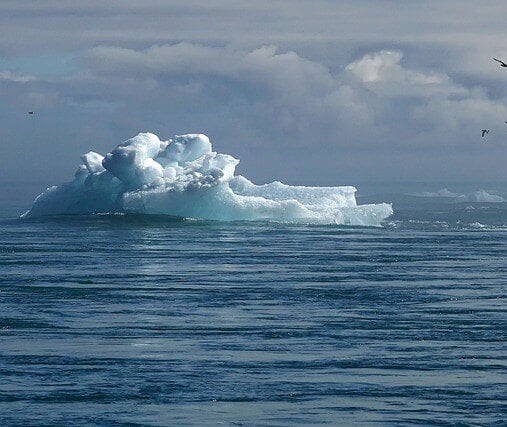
(112, 320)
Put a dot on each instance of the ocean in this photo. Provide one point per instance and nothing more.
(150, 321)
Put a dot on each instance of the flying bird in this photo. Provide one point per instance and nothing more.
(502, 64)
(30, 112)
(484, 132)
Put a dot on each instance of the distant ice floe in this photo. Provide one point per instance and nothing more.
(183, 177)
(481, 196)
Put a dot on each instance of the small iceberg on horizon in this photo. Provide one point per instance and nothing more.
(479, 196)
(183, 177)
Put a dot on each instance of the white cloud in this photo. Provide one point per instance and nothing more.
(383, 73)
(16, 78)
(384, 66)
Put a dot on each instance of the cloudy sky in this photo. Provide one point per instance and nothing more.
(314, 91)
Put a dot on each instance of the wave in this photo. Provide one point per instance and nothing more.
(432, 225)
(183, 177)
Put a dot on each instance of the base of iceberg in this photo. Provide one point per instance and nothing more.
(183, 177)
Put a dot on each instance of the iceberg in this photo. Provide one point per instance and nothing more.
(480, 196)
(182, 177)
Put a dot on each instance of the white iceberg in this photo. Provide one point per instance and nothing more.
(483, 196)
(480, 196)
(183, 177)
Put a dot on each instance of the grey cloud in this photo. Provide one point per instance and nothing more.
(304, 95)
(349, 85)
(27, 26)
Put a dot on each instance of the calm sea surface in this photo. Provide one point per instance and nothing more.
(113, 320)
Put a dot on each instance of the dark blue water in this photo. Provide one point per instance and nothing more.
(112, 320)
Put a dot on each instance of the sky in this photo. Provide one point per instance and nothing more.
(313, 92)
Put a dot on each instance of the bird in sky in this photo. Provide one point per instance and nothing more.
(502, 64)
(484, 132)
(30, 112)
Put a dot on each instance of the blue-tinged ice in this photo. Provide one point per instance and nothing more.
(183, 177)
